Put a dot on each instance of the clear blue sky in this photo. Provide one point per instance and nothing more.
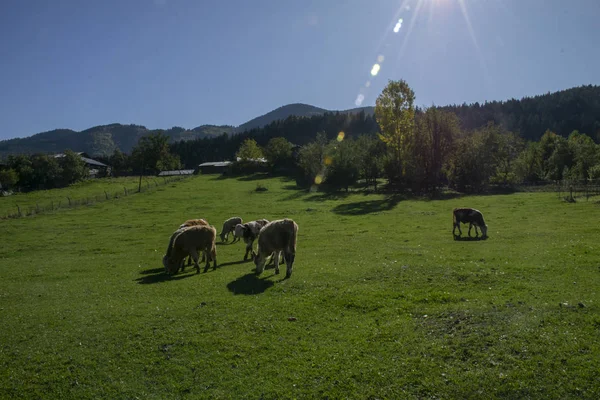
(160, 63)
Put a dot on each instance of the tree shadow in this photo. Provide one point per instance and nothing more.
(326, 196)
(296, 195)
(249, 284)
(255, 177)
(152, 271)
(293, 187)
(368, 206)
(162, 277)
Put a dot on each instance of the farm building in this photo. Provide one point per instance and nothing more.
(216, 167)
(96, 167)
(176, 172)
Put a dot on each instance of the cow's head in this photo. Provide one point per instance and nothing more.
(259, 263)
(484, 230)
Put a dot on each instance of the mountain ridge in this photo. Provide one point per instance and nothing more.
(576, 108)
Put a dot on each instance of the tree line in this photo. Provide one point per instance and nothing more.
(423, 150)
(411, 148)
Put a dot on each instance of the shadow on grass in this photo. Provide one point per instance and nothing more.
(249, 284)
(152, 271)
(234, 263)
(293, 187)
(255, 177)
(326, 196)
(368, 206)
(470, 238)
(162, 277)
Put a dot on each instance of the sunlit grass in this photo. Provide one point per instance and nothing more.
(94, 189)
(383, 303)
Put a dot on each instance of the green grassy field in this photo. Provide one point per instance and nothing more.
(385, 304)
(93, 189)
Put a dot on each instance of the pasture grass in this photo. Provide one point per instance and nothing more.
(382, 303)
(92, 189)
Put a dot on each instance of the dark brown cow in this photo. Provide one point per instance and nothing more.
(469, 216)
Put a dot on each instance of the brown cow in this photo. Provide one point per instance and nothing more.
(276, 237)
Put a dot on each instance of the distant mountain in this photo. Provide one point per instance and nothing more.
(101, 140)
(562, 112)
(297, 110)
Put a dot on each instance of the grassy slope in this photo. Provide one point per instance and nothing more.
(387, 305)
(92, 188)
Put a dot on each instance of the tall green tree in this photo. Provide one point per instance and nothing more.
(249, 150)
(395, 113)
(120, 163)
(434, 135)
(371, 158)
(528, 166)
(153, 153)
(8, 178)
(278, 152)
(73, 168)
(585, 155)
(312, 162)
(47, 172)
(344, 163)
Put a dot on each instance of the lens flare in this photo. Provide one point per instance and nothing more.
(318, 179)
(380, 58)
(341, 136)
(359, 99)
(328, 160)
(375, 69)
(398, 25)
(368, 84)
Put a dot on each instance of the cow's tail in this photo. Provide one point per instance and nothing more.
(293, 238)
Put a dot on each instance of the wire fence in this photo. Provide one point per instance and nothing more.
(567, 189)
(72, 202)
(572, 190)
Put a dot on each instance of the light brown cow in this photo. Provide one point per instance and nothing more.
(277, 237)
(187, 242)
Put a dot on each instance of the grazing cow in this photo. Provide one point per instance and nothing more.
(472, 217)
(250, 233)
(238, 232)
(187, 242)
(229, 227)
(276, 237)
(192, 222)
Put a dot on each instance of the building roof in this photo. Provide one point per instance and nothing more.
(177, 172)
(85, 158)
(215, 164)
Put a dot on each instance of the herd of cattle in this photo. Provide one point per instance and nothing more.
(275, 239)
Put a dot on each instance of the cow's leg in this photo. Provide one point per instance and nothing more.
(248, 250)
(476, 232)
(457, 225)
(194, 254)
(276, 262)
(213, 255)
(470, 225)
